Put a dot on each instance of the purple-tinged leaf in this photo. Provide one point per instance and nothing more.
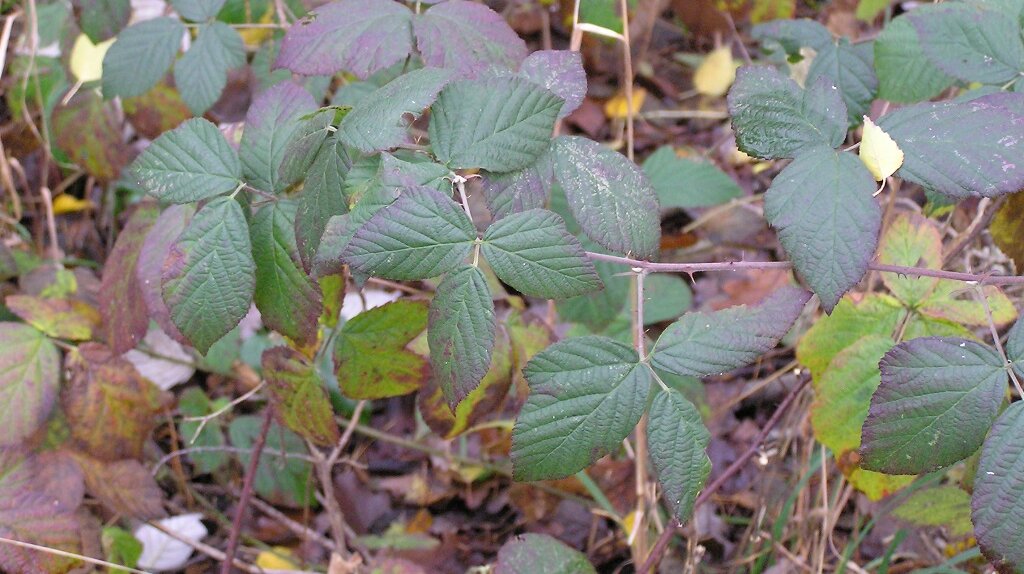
(827, 220)
(154, 251)
(270, 123)
(29, 377)
(124, 486)
(962, 149)
(300, 398)
(971, 43)
(357, 36)
(997, 505)
(561, 72)
(379, 123)
(468, 38)
(209, 274)
(125, 316)
(422, 234)
(531, 553)
(609, 196)
(461, 333)
(703, 344)
(774, 118)
(288, 299)
(518, 191)
(937, 399)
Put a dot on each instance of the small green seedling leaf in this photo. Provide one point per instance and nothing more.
(937, 399)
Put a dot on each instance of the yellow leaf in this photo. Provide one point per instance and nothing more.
(716, 73)
(65, 203)
(628, 522)
(276, 560)
(879, 152)
(616, 108)
(87, 58)
(253, 37)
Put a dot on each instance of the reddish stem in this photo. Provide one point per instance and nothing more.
(247, 485)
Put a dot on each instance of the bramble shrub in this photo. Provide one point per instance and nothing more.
(375, 187)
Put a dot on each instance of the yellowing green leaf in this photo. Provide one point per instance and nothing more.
(912, 241)
(300, 397)
(87, 58)
(947, 505)
(370, 355)
(1007, 228)
(879, 152)
(716, 73)
(60, 318)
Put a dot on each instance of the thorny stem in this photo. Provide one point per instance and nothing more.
(247, 486)
(666, 535)
(651, 267)
(995, 339)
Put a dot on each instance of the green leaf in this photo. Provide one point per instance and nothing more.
(357, 36)
(946, 505)
(961, 149)
(202, 72)
(529, 552)
(209, 275)
(997, 505)
(1015, 346)
(141, 56)
(29, 379)
(321, 199)
(467, 38)
(911, 241)
(792, 35)
(609, 196)
(827, 220)
(299, 395)
(370, 354)
(905, 74)
(288, 299)
(412, 171)
(937, 400)
(586, 395)
(703, 344)
(198, 10)
(120, 547)
(685, 183)
(125, 316)
(678, 441)
(270, 123)
(532, 252)
(851, 68)
(666, 297)
(306, 143)
(194, 403)
(842, 394)
(190, 163)
(971, 43)
(509, 129)
(461, 332)
(280, 480)
(422, 234)
(774, 118)
(102, 19)
(379, 122)
(597, 310)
